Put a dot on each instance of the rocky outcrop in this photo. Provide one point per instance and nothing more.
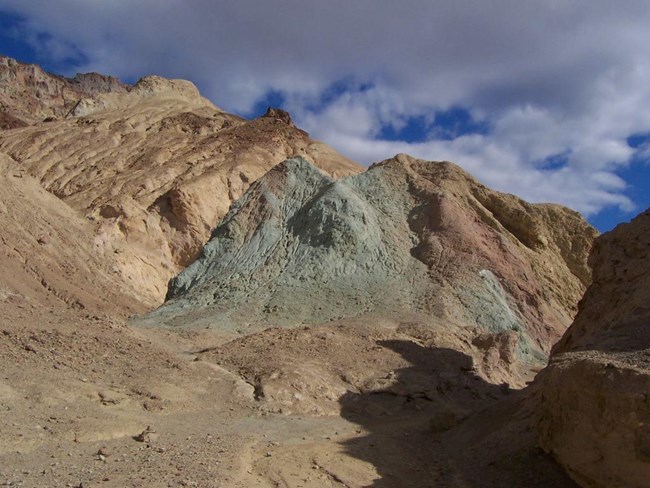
(91, 83)
(28, 94)
(148, 90)
(407, 238)
(595, 408)
(155, 167)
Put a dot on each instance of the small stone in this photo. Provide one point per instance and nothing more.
(147, 435)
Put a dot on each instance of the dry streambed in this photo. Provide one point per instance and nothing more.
(166, 414)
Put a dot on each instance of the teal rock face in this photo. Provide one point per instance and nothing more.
(407, 239)
(304, 247)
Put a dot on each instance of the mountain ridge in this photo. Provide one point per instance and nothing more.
(29, 94)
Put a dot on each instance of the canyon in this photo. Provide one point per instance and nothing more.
(190, 298)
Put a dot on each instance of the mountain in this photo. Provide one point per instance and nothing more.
(407, 241)
(325, 326)
(595, 405)
(153, 166)
(91, 204)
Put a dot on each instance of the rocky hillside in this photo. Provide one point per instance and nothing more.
(339, 328)
(371, 401)
(155, 168)
(30, 95)
(595, 403)
(407, 240)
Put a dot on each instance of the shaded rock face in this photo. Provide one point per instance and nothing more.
(595, 408)
(9, 121)
(615, 310)
(28, 94)
(91, 83)
(407, 237)
(153, 166)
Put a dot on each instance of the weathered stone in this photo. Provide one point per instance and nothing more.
(595, 412)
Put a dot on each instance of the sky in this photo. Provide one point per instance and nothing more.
(547, 100)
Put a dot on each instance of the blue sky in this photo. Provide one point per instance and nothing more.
(556, 109)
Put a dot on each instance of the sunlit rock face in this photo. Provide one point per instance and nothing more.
(29, 95)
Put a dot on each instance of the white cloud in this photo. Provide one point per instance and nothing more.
(562, 77)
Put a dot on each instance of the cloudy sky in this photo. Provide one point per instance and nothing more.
(549, 100)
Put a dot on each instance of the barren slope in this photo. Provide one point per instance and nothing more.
(424, 296)
(49, 255)
(74, 377)
(349, 403)
(156, 168)
(595, 404)
(409, 241)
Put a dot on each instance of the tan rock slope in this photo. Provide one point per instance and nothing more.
(156, 167)
(596, 403)
(49, 257)
(75, 378)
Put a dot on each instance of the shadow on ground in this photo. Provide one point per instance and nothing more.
(439, 424)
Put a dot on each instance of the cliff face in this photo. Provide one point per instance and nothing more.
(595, 407)
(153, 167)
(615, 310)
